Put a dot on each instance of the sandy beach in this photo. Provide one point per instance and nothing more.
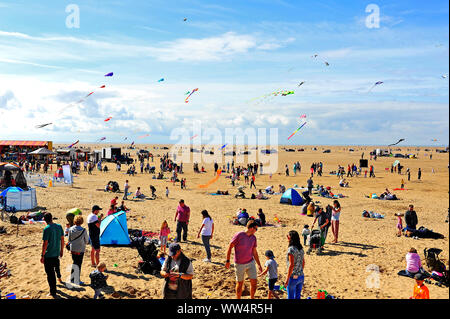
(341, 270)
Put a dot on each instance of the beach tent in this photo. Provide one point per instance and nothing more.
(292, 197)
(10, 189)
(114, 230)
(20, 199)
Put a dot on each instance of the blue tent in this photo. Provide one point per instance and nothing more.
(11, 189)
(114, 230)
(292, 197)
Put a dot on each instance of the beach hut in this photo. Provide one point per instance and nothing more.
(292, 197)
(114, 230)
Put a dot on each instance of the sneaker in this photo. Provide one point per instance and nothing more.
(206, 260)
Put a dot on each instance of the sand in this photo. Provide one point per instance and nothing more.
(341, 270)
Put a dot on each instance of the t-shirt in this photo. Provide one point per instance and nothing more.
(53, 233)
(413, 262)
(335, 215)
(273, 268)
(322, 218)
(207, 229)
(94, 231)
(421, 292)
(298, 260)
(310, 183)
(183, 213)
(243, 247)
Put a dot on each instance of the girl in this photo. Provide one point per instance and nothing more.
(163, 233)
(207, 231)
(399, 224)
(336, 212)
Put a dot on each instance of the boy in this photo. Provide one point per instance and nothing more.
(98, 280)
(271, 267)
(420, 290)
(167, 191)
(305, 233)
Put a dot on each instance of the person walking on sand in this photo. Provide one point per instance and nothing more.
(295, 260)
(94, 234)
(419, 174)
(126, 187)
(182, 216)
(52, 250)
(335, 215)
(207, 231)
(78, 239)
(245, 257)
(252, 183)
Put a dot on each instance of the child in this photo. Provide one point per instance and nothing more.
(98, 280)
(271, 267)
(365, 174)
(403, 184)
(161, 258)
(399, 224)
(164, 232)
(420, 290)
(167, 191)
(305, 233)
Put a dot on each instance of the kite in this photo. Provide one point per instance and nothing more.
(303, 116)
(103, 86)
(434, 140)
(106, 120)
(188, 92)
(83, 99)
(43, 125)
(125, 138)
(326, 63)
(132, 144)
(376, 83)
(215, 179)
(223, 146)
(102, 139)
(444, 76)
(160, 80)
(185, 19)
(70, 146)
(297, 130)
(301, 83)
(194, 136)
(193, 91)
(110, 74)
(145, 135)
(400, 140)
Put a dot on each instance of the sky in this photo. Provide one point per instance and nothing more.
(236, 53)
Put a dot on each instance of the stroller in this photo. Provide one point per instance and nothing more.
(439, 272)
(113, 186)
(241, 193)
(149, 264)
(315, 242)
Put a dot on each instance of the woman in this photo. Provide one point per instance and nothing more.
(78, 239)
(413, 262)
(295, 263)
(206, 231)
(311, 209)
(335, 215)
(111, 210)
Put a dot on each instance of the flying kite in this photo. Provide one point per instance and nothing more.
(194, 136)
(223, 146)
(106, 120)
(301, 83)
(43, 125)
(185, 19)
(193, 91)
(161, 80)
(188, 92)
(132, 144)
(83, 99)
(215, 179)
(110, 74)
(444, 76)
(145, 135)
(297, 130)
(400, 140)
(326, 63)
(376, 83)
(71, 145)
(102, 139)
(303, 116)
(125, 138)
(434, 140)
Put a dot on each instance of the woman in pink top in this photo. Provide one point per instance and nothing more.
(413, 263)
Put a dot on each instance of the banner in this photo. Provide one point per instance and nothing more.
(68, 179)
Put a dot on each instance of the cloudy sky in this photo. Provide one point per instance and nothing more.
(234, 52)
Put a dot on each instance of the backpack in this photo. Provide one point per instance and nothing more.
(14, 220)
(432, 259)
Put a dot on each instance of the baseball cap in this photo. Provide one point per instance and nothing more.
(96, 207)
(174, 248)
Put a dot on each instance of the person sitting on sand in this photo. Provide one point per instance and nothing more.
(138, 193)
(413, 263)
(123, 208)
(243, 217)
(282, 189)
(260, 195)
(343, 183)
(111, 210)
(311, 209)
(269, 190)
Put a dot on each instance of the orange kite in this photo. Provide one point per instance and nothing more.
(215, 179)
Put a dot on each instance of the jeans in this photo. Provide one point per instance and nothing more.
(51, 266)
(294, 288)
(205, 240)
(182, 226)
(125, 195)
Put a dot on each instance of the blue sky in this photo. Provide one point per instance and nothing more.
(234, 52)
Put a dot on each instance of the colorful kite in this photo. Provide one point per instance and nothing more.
(109, 118)
(145, 135)
(376, 83)
(303, 116)
(223, 146)
(193, 91)
(71, 145)
(297, 130)
(102, 139)
(400, 140)
(185, 19)
(132, 144)
(43, 125)
(215, 179)
(110, 74)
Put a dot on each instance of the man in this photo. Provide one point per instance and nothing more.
(182, 218)
(371, 172)
(178, 273)
(324, 223)
(125, 190)
(245, 256)
(253, 181)
(419, 174)
(411, 219)
(52, 249)
(216, 167)
(94, 234)
(310, 186)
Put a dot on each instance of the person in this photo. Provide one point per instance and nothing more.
(182, 218)
(153, 189)
(111, 210)
(261, 217)
(399, 224)
(413, 262)
(411, 219)
(167, 192)
(207, 231)
(243, 217)
(271, 268)
(178, 273)
(245, 256)
(163, 234)
(372, 174)
(310, 185)
(78, 239)
(126, 187)
(295, 259)
(343, 183)
(402, 184)
(305, 233)
(123, 208)
(94, 234)
(323, 223)
(311, 209)
(261, 195)
(419, 174)
(98, 280)
(138, 193)
(252, 183)
(269, 190)
(420, 290)
(52, 250)
(335, 215)
(114, 201)
(408, 172)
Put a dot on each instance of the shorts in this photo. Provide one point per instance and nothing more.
(249, 268)
(272, 283)
(163, 241)
(95, 243)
